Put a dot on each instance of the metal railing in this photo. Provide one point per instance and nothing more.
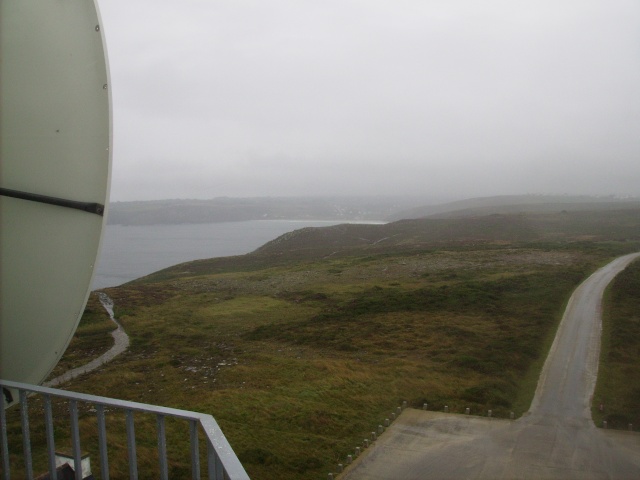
(222, 463)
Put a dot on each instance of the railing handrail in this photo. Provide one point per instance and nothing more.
(232, 468)
(106, 401)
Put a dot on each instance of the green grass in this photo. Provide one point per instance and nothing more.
(299, 366)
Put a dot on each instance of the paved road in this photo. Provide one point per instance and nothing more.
(556, 439)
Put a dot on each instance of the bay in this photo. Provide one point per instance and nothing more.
(130, 252)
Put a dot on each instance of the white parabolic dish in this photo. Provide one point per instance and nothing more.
(55, 138)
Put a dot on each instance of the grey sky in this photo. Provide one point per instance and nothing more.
(446, 98)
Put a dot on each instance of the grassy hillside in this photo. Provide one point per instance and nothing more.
(407, 236)
(302, 348)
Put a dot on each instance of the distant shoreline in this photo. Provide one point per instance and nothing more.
(290, 220)
(133, 251)
(222, 210)
(344, 209)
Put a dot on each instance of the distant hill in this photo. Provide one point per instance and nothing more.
(515, 204)
(347, 209)
(406, 236)
(594, 225)
(225, 209)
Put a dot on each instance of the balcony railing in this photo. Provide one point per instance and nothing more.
(221, 461)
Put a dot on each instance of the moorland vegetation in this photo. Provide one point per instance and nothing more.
(301, 348)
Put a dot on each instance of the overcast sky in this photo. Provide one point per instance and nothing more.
(451, 98)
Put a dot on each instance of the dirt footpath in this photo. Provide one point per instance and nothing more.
(120, 344)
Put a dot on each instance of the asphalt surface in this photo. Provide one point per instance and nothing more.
(556, 439)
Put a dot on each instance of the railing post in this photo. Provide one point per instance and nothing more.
(195, 455)
(26, 438)
(131, 446)
(75, 439)
(211, 461)
(6, 468)
(162, 448)
(51, 443)
(102, 442)
(219, 467)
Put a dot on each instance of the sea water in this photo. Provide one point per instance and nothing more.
(130, 252)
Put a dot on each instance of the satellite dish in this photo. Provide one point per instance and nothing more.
(55, 163)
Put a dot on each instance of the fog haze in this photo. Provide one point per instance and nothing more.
(437, 98)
